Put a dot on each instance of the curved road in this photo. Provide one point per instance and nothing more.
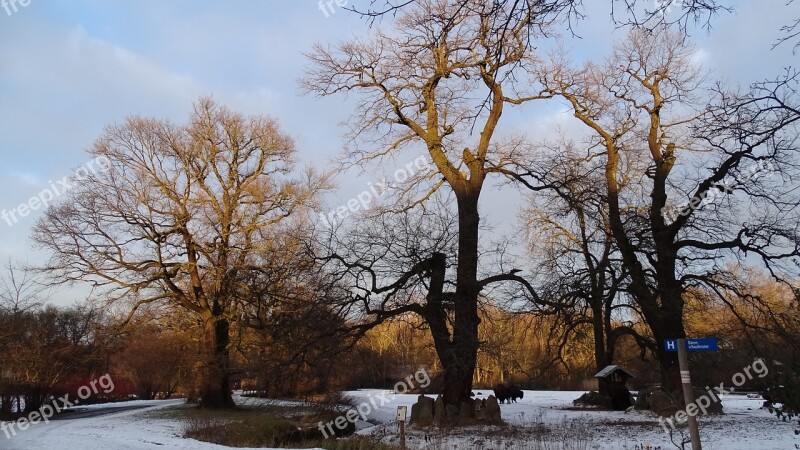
(120, 427)
(86, 413)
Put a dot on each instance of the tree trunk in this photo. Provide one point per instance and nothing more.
(33, 400)
(666, 322)
(601, 354)
(215, 391)
(670, 327)
(458, 374)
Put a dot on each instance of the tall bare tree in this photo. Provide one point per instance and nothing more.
(571, 241)
(441, 79)
(180, 217)
(686, 186)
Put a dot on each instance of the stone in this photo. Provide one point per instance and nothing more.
(422, 411)
(480, 409)
(466, 413)
(439, 413)
(593, 398)
(451, 411)
(714, 408)
(493, 410)
(663, 404)
(642, 402)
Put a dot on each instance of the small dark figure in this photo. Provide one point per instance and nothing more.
(621, 398)
(502, 393)
(515, 393)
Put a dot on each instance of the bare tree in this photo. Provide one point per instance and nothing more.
(179, 218)
(442, 80)
(685, 187)
(571, 241)
(21, 290)
(395, 265)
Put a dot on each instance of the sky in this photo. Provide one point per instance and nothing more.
(70, 68)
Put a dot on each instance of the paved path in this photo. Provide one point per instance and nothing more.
(86, 413)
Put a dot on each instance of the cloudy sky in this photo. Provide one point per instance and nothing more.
(68, 68)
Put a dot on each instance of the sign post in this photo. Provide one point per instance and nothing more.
(690, 345)
(401, 421)
(688, 393)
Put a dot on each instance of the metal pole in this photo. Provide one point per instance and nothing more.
(688, 393)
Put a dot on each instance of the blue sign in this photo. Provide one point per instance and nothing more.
(692, 345)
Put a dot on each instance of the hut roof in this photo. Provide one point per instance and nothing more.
(608, 370)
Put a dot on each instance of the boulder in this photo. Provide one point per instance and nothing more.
(439, 413)
(480, 409)
(593, 398)
(666, 404)
(427, 411)
(466, 413)
(643, 399)
(493, 410)
(422, 411)
(663, 404)
(716, 405)
(451, 413)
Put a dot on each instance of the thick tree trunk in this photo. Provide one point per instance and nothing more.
(461, 368)
(215, 391)
(669, 326)
(666, 322)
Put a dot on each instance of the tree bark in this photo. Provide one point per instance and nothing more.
(215, 392)
(460, 369)
(600, 354)
(666, 322)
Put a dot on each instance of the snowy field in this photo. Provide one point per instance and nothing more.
(745, 426)
(548, 415)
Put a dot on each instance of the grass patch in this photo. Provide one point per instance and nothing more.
(242, 432)
(265, 425)
(265, 431)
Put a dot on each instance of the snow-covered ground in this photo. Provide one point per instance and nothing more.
(547, 414)
(128, 430)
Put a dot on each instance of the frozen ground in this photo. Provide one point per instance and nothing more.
(549, 416)
(541, 418)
